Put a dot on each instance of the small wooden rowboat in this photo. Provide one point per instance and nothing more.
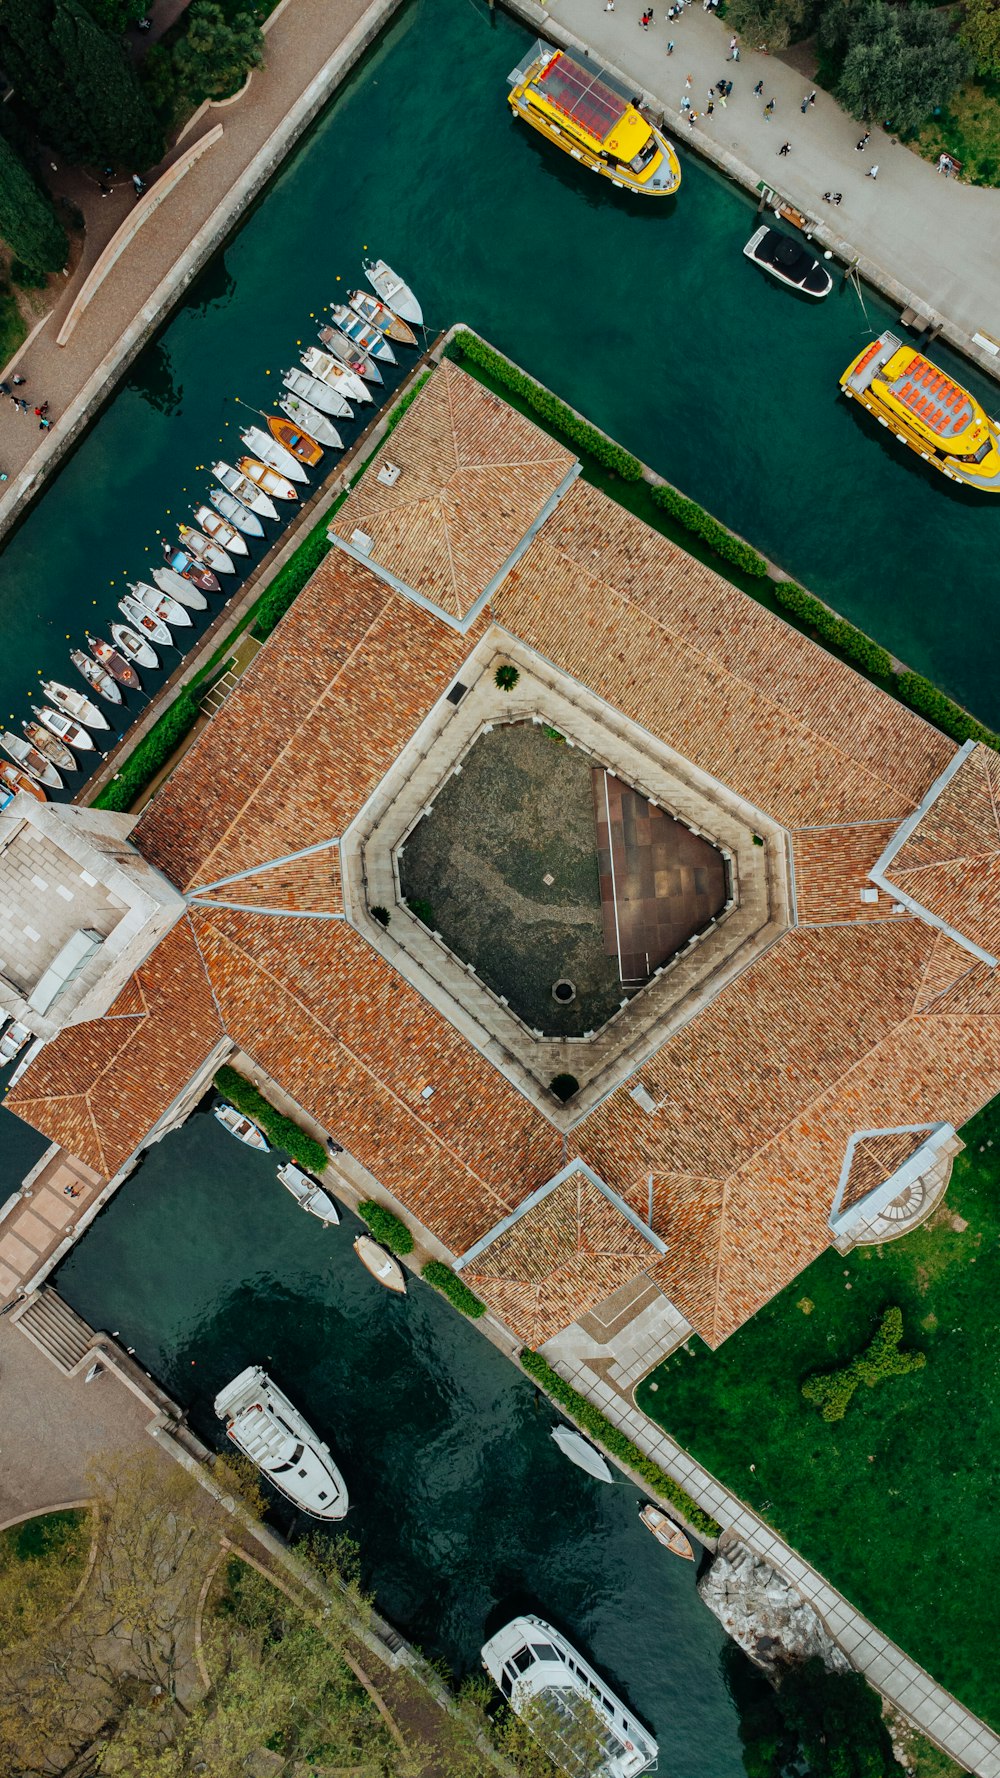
(368, 339)
(267, 478)
(180, 562)
(666, 1532)
(220, 530)
(318, 394)
(312, 421)
(308, 1194)
(134, 646)
(101, 681)
(158, 603)
(64, 728)
(380, 1264)
(350, 354)
(30, 760)
(390, 287)
(114, 663)
(208, 553)
(235, 511)
(329, 370)
(179, 588)
(247, 491)
(268, 450)
(12, 779)
(243, 1128)
(147, 617)
(381, 316)
(292, 438)
(43, 742)
(74, 703)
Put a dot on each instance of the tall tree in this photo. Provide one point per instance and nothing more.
(214, 57)
(900, 63)
(28, 223)
(76, 83)
(772, 24)
(981, 31)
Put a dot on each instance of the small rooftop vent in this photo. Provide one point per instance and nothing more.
(389, 475)
(644, 1100)
(362, 542)
(869, 894)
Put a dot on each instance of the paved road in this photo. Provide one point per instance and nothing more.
(933, 235)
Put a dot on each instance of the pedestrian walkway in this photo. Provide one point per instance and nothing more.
(931, 238)
(41, 1219)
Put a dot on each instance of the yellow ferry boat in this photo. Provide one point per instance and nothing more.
(927, 411)
(591, 116)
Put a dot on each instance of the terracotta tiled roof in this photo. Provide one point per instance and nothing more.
(831, 869)
(475, 477)
(950, 863)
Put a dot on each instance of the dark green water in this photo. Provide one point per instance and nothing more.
(464, 1510)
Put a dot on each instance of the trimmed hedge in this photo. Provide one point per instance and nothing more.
(289, 580)
(833, 1391)
(459, 1295)
(701, 524)
(152, 752)
(386, 1227)
(852, 643)
(281, 1130)
(579, 432)
(925, 698)
(614, 1441)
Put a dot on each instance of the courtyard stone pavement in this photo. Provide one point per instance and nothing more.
(935, 236)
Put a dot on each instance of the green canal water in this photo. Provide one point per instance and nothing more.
(464, 1510)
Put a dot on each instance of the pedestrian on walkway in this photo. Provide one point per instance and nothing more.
(685, 103)
(710, 107)
(786, 148)
(18, 380)
(610, 6)
(863, 144)
(732, 47)
(769, 110)
(670, 47)
(105, 189)
(687, 82)
(832, 197)
(139, 184)
(729, 89)
(45, 408)
(4, 388)
(812, 97)
(43, 425)
(758, 91)
(722, 100)
(23, 405)
(804, 105)
(692, 118)
(872, 172)
(38, 413)
(15, 404)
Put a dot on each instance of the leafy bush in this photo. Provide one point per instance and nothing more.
(925, 698)
(214, 55)
(601, 1429)
(422, 909)
(506, 677)
(282, 1131)
(27, 277)
(386, 1227)
(152, 752)
(547, 406)
(852, 643)
(701, 524)
(380, 914)
(444, 1279)
(832, 1391)
(564, 1086)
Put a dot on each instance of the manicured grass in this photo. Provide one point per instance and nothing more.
(968, 128)
(897, 1503)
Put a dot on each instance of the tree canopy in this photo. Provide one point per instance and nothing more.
(816, 1725)
(28, 223)
(214, 56)
(981, 33)
(76, 83)
(900, 62)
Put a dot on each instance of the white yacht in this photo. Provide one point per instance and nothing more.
(243, 1128)
(307, 1193)
(263, 1424)
(583, 1727)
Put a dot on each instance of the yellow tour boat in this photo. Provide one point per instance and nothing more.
(590, 115)
(927, 411)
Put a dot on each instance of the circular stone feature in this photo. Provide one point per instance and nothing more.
(564, 992)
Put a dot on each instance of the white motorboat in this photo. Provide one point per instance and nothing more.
(363, 334)
(318, 394)
(268, 450)
(329, 370)
(13, 1041)
(146, 613)
(380, 1264)
(394, 293)
(266, 477)
(220, 531)
(249, 493)
(30, 760)
(312, 421)
(235, 511)
(64, 728)
(581, 1452)
(134, 647)
(180, 589)
(96, 676)
(308, 1194)
(584, 1728)
(197, 544)
(74, 703)
(243, 1128)
(350, 354)
(666, 1531)
(264, 1425)
(381, 316)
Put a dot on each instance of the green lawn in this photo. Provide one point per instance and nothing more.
(898, 1504)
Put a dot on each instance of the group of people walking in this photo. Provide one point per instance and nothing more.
(22, 406)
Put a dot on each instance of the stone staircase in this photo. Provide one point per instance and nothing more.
(55, 1329)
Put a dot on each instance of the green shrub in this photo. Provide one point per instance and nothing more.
(852, 643)
(28, 277)
(925, 698)
(579, 432)
(380, 914)
(386, 1227)
(832, 1391)
(601, 1429)
(444, 1279)
(282, 1131)
(701, 524)
(152, 752)
(564, 1086)
(423, 911)
(506, 677)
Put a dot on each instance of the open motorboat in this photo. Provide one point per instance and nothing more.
(308, 1194)
(221, 531)
(329, 370)
(30, 760)
(350, 354)
(64, 728)
(158, 603)
(666, 1531)
(134, 646)
(581, 1452)
(312, 421)
(322, 396)
(243, 1128)
(74, 703)
(268, 478)
(101, 681)
(247, 491)
(295, 439)
(43, 742)
(212, 554)
(180, 562)
(390, 287)
(179, 588)
(789, 260)
(268, 450)
(146, 614)
(13, 781)
(563, 1700)
(235, 512)
(380, 1263)
(114, 663)
(361, 333)
(13, 1041)
(379, 315)
(264, 1425)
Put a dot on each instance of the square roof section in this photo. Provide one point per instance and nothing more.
(475, 482)
(943, 863)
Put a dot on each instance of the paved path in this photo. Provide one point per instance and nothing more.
(934, 236)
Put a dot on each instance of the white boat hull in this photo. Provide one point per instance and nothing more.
(329, 370)
(308, 1195)
(261, 444)
(534, 1666)
(64, 728)
(269, 1429)
(96, 676)
(236, 513)
(75, 704)
(160, 605)
(220, 530)
(243, 1128)
(31, 761)
(176, 587)
(312, 421)
(394, 293)
(380, 1264)
(242, 488)
(317, 394)
(145, 622)
(204, 550)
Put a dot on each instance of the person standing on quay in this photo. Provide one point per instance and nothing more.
(769, 110)
(863, 144)
(786, 148)
(872, 172)
(758, 91)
